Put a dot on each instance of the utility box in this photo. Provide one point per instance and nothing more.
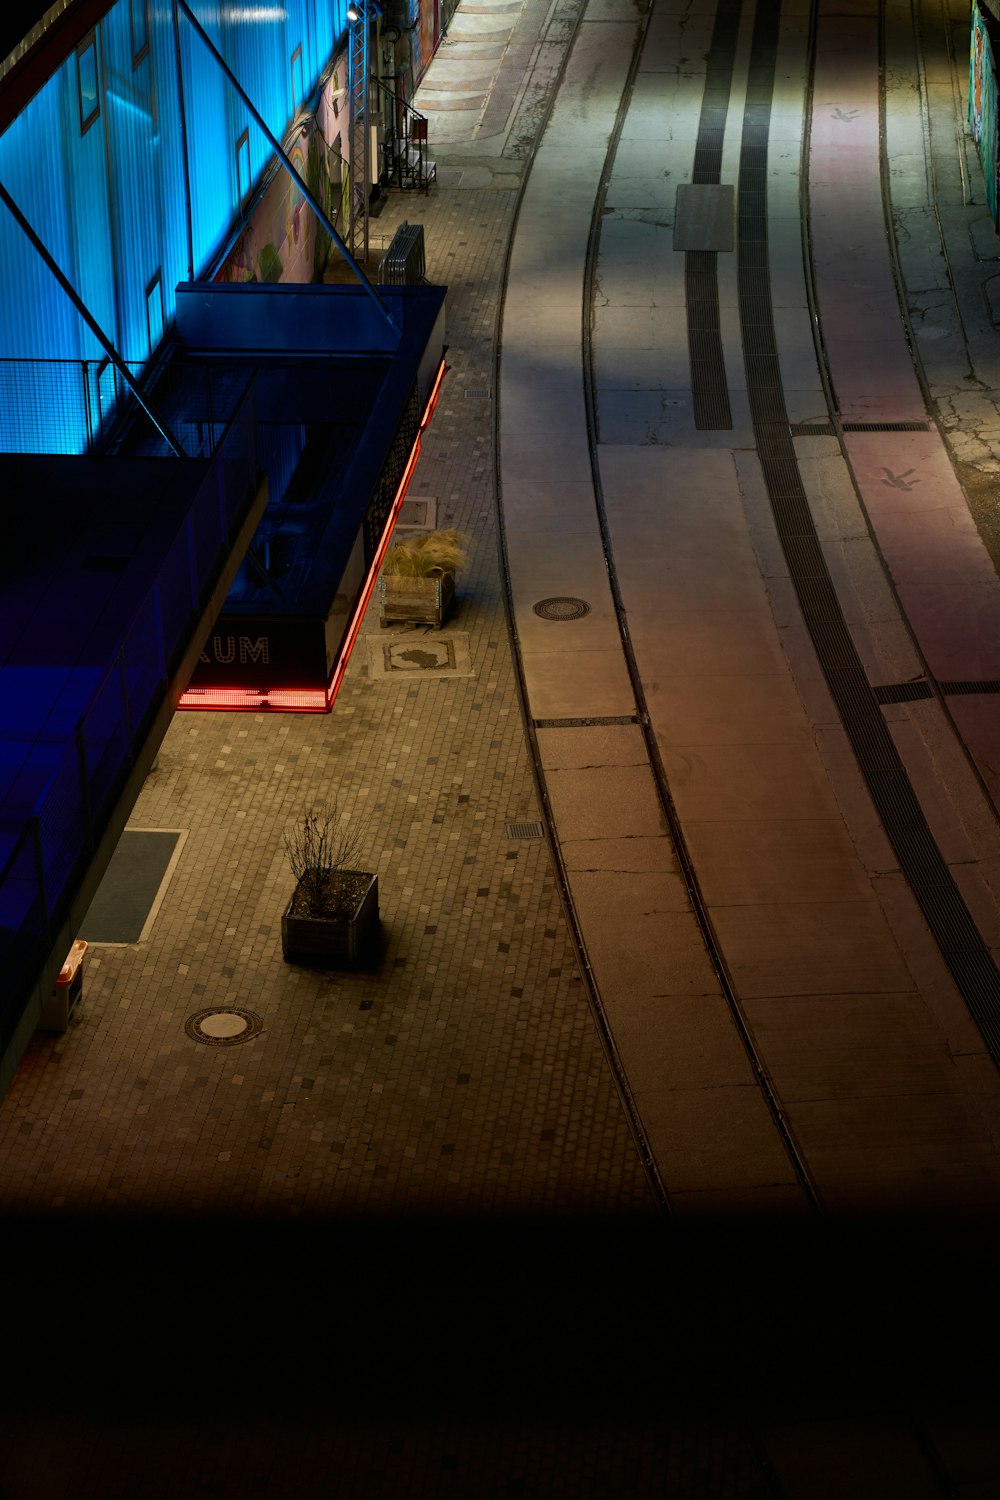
(66, 992)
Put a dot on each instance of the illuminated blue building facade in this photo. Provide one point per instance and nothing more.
(132, 163)
(140, 451)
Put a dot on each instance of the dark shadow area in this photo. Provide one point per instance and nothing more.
(538, 1357)
(517, 1318)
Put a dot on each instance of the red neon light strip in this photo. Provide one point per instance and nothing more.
(390, 525)
(320, 700)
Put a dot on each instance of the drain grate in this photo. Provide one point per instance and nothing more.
(958, 689)
(585, 723)
(478, 392)
(903, 692)
(886, 426)
(827, 429)
(523, 830)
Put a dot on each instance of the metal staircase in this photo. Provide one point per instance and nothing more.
(407, 163)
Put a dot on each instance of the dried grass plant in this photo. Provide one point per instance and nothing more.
(424, 556)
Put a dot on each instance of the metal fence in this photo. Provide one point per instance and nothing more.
(59, 405)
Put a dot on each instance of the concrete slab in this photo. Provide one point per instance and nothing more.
(697, 710)
(775, 862)
(924, 1152)
(617, 801)
(810, 948)
(713, 1138)
(748, 782)
(681, 1042)
(592, 745)
(594, 684)
(637, 944)
(859, 1045)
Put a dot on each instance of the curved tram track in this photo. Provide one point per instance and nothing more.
(860, 710)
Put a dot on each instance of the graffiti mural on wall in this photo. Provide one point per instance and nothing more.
(278, 243)
(282, 241)
(423, 36)
(983, 105)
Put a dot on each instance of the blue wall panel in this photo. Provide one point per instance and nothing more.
(37, 319)
(213, 127)
(113, 229)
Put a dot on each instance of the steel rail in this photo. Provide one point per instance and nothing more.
(668, 807)
(949, 921)
(621, 1082)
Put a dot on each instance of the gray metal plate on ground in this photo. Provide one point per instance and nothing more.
(128, 897)
(705, 216)
(418, 513)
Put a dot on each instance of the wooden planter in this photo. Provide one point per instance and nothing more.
(334, 942)
(416, 601)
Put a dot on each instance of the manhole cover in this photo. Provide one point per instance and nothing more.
(562, 608)
(223, 1026)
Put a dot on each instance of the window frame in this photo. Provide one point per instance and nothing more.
(89, 44)
(243, 141)
(298, 100)
(142, 6)
(155, 286)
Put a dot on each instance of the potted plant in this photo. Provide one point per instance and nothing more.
(332, 920)
(418, 577)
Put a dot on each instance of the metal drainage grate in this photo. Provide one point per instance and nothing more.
(523, 830)
(585, 723)
(812, 429)
(903, 692)
(223, 1026)
(952, 689)
(561, 607)
(886, 426)
(478, 392)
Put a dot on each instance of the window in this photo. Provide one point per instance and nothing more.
(138, 12)
(86, 80)
(243, 167)
(107, 391)
(154, 311)
(297, 86)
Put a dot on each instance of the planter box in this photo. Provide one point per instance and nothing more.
(420, 601)
(334, 942)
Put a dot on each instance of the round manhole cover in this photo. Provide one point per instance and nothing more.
(562, 608)
(222, 1026)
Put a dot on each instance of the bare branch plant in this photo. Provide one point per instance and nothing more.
(322, 848)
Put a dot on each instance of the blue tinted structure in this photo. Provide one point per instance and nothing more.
(96, 162)
(136, 467)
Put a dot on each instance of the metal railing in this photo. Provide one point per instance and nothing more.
(407, 162)
(67, 405)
